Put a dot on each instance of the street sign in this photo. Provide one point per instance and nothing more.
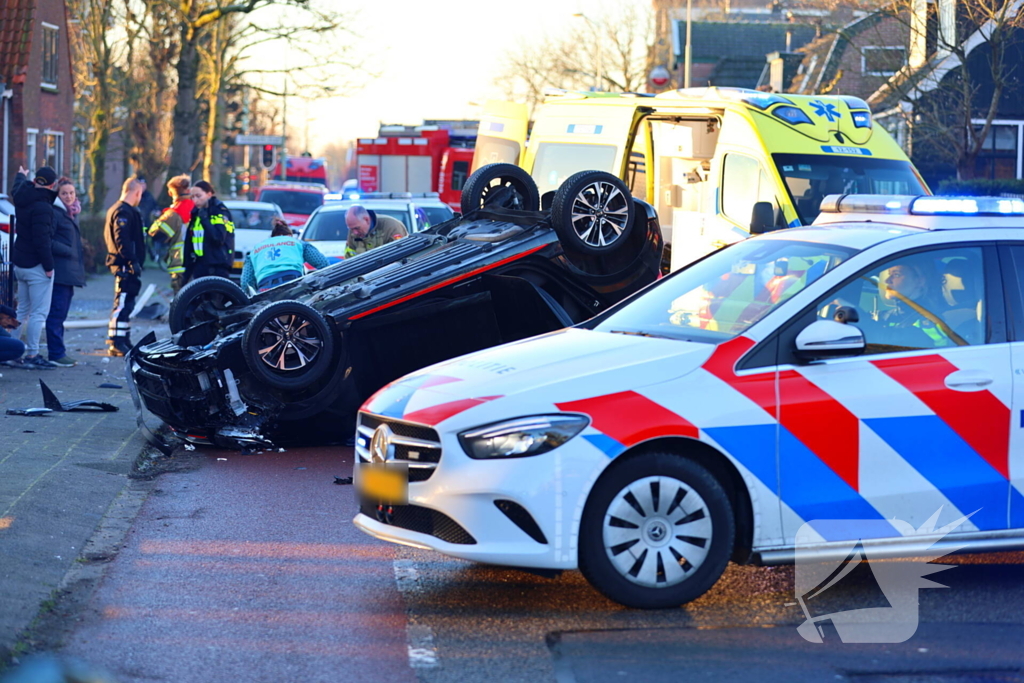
(259, 140)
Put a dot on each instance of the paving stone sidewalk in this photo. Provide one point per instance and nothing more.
(60, 472)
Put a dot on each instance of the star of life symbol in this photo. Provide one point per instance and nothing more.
(898, 580)
(274, 254)
(827, 111)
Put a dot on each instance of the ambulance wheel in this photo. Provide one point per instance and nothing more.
(288, 345)
(203, 300)
(500, 186)
(592, 212)
(657, 531)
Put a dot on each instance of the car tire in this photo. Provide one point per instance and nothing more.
(657, 531)
(288, 345)
(500, 186)
(200, 300)
(592, 212)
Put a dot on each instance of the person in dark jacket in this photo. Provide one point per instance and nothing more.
(210, 237)
(33, 256)
(68, 270)
(10, 348)
(126, 249)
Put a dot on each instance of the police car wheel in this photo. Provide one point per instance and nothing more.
(288, 345)
(500, 186)
(592, 212)
(657, 531)
(203, 300)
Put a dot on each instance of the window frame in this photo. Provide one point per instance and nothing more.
(878, 48)
(1011, 258)
(783, 339)
(32, 148)
(58, 150)
(51, 56)
(723, 187)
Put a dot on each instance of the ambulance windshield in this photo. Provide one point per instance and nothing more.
(810, 178)
(721, 296)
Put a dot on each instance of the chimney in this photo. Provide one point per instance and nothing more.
(947, 28)
(918, 33)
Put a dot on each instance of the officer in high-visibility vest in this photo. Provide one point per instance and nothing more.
(279, 259)
(169, 228)
(903, 284)
(210, 237)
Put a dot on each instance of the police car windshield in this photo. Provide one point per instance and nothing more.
(331, 226)
(810, 177)
(721, 296)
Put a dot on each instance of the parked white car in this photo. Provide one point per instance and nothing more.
(6, 211)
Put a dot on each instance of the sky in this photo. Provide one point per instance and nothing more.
(436, 60)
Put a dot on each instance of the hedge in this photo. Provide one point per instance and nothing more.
(982, 188)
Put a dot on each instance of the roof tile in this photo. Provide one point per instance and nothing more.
(15, 36)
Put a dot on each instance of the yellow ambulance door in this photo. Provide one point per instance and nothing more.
(501, 137)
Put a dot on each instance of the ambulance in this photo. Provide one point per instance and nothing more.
(857, 383)
(718, 164)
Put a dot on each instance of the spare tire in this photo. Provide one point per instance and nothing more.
(592, 212)
(201, 300)
(500, 186)
(288, 345)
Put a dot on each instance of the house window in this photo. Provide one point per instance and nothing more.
(53, 151)
(882, 61)
(31, 148)
(50, 43)
(1001, 156)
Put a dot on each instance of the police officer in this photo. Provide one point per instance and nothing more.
(126, 248)
(169, 228)
(279, 259)
(210, 237)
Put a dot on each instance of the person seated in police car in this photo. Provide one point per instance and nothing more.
(915, 319)
(279, 259)
(368, 230)
(210, 236)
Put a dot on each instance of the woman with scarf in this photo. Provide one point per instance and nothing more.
(69, 270)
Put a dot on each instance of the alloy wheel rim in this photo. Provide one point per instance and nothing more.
(288, 343)
(600, 212)
(657, 532)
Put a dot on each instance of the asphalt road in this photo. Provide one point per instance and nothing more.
(248, 568)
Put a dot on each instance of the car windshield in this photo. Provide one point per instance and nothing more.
(722, 295)
(811, 177)
(331, 226)
(253, 219)
(303, 203)
(436, 215)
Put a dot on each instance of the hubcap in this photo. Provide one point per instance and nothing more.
(657, 532)
(599, 214)
(288, 343)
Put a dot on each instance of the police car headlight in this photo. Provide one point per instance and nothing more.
(521, 437)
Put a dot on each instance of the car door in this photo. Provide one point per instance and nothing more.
(917, 425)
(1012, 261)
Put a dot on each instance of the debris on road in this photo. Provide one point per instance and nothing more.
(51, 401)
(189, 447)
(29, 411)
(343, 481)
(110, 385)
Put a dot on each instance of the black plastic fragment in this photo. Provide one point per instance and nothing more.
(343, 481)
(51, 401)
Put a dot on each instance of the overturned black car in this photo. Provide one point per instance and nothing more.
(296, 362)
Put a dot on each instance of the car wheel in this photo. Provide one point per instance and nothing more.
(592, 212)
(500, 186)
(203, 300)
(288, 345)
(657, 531)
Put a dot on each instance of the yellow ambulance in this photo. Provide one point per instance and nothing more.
(718, 164)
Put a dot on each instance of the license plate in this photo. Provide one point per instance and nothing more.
(384, 484)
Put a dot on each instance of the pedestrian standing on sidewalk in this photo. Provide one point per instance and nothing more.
(168, 229)
(68, 270)
(126, 249)
(210, 238)
(10, 348)
(33, 256)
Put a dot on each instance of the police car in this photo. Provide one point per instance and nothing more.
(858, 375)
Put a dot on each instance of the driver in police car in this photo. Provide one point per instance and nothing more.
(368, 230)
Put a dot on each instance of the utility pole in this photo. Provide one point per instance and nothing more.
(283, 157)
(687, 59)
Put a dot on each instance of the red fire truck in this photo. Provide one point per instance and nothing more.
(427, 158)
(301, 170)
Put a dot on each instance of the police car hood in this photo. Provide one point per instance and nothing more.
(535, 375)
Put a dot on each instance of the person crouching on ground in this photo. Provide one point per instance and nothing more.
(10, 348)
(279, 259)
(210, 237)
(126, 249)
(169, 228)
(68, 270)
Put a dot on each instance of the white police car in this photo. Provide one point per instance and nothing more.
(864, 369)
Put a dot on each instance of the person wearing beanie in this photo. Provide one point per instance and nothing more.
(32, 255)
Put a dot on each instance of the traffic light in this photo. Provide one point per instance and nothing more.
(269, 157)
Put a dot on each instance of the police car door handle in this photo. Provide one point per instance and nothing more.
(968, 380)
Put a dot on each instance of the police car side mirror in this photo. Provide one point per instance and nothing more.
(829, 339)
(762, 218)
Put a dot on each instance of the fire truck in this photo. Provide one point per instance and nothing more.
(301, 169)
(434, 157)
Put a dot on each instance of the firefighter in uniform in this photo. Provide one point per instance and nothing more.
(169, 227)
(368, 230)
(210, 237)
(126, 248)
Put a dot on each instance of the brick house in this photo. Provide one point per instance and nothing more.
(38, 96)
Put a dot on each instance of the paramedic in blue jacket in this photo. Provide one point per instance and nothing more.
(279, 259)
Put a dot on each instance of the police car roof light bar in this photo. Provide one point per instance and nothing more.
(922, 205)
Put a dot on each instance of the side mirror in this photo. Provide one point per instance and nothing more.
(829, 339)
(762, 218)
